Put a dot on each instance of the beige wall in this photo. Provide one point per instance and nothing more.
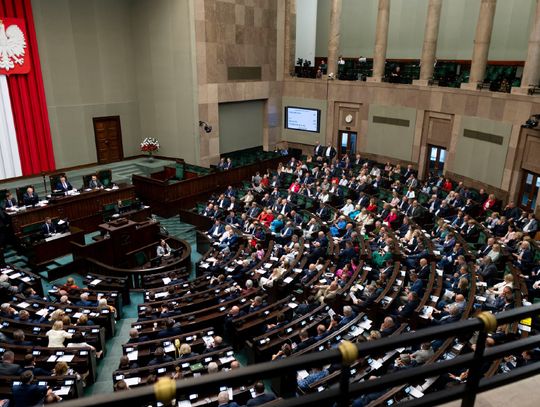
(478, 159)
(391, 140)
(163, 37)
(87, 58)
(132, 58)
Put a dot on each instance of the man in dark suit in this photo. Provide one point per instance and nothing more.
(27, 393)
(63, 185)
(30, 197)
(487, 270)
(260, 396)
(84, 301)
(95, 183)
(305, 341)
(412, 303)
(160, 357)
(135, 338)
(171, 329)
(254, 211)
(10, 202)
(216, 230)
(48, 228)
(318, 150)
(223, 400)
(30, 364)
(471, 233)
(330, 152)
(324, 213)
(7, 366)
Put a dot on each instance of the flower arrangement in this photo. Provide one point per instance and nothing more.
(150, 145)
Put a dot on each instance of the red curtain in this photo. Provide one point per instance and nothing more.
(28, 99)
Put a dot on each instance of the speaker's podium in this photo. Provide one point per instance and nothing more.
(124, 236)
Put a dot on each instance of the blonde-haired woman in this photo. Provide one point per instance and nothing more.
(57, 335)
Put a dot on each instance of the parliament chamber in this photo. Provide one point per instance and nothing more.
(269, 202)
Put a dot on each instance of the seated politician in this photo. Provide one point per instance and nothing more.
(95, 183)
(48, 228)
(163, 249)
(63, 185)
(10, 202)
(30, 198)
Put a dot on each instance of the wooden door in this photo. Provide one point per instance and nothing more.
(108, 139)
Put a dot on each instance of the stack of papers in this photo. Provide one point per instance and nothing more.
(133, 355)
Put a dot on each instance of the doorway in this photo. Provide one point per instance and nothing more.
(108, 133)
(530, 184)
(436, 159)
(347, 143)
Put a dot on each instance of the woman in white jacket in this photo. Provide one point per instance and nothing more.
(57, 335)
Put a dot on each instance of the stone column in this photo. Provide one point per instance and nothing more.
(381, 41)
(289, 47)
(431, 35)
(334, 37)
(531, 71)
(482, 39)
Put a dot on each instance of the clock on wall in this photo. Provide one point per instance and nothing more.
(348, 118)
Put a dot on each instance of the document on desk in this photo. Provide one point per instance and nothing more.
(133, 355)
(52, 358)
(95, 282)
(375, 364)
(288, 280)
(226, 359)
(24, 305)
(166, 280)
(16, 275)
(169, 348)
(26, 279)
(132, 381)
(62, 391)
(65, 358)
(365, 324)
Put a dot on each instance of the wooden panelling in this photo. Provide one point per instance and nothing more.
(77, 209)
(165, 197)
(531, 155)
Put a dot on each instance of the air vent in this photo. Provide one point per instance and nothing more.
(244, 73)
(391, 121)
(478, 135)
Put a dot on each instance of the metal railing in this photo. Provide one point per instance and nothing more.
(166, 389)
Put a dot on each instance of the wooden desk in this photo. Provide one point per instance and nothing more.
(165, 197)
(53, 247)
(83, 211)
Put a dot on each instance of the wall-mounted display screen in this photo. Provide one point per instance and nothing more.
(300, 118)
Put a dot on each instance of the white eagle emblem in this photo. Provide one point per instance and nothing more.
(12, 46)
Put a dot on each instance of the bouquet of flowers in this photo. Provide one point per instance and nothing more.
(149, 145)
